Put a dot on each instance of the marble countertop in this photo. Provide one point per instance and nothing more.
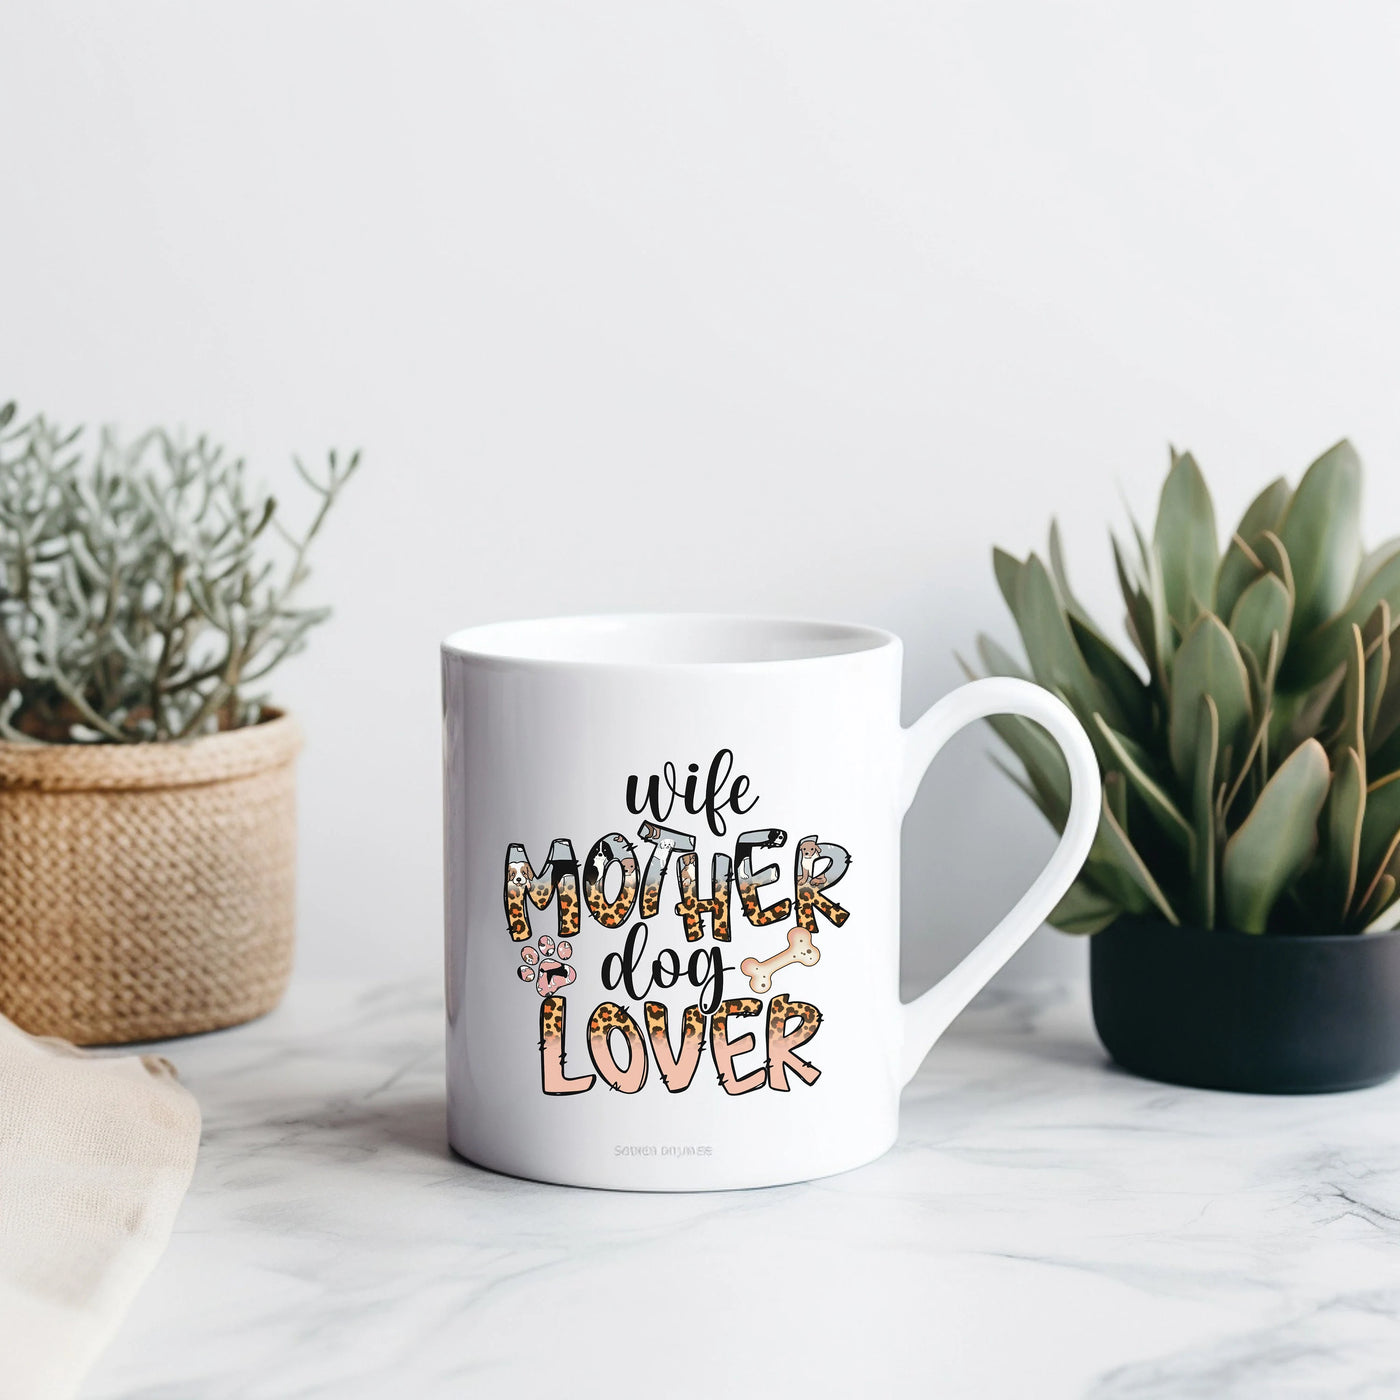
(1047, 1226)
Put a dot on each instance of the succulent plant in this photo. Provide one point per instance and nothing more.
(1251, 762)
(141, 593)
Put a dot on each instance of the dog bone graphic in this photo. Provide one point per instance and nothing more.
(800, 948)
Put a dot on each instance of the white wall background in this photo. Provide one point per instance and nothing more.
(844, 292)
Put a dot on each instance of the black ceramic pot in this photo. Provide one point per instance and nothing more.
(1267, 1015)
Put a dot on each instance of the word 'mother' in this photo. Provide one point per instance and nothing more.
(612, 864)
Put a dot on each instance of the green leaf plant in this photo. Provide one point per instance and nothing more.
(145, 589)
(1251, 762)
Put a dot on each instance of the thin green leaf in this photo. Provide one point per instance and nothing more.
(1346, 804)
(1115, 847)
(1379, 827)
(1351, 733)
(1025, 785)
(1377, 894)
(1163, 640)
(1113, 673)
(1007, 569)
(1059, 572)
(1377, 638)
(1327, 646)
(1239, 567)
(1042, 760)
(1203, 792)
(1055, 658)
(1273, 554)
(1384, 892)
(1115, 791)
(1154, 797)
(997, 660)
(1141, 626)
(1108, 667)
(1264, 608)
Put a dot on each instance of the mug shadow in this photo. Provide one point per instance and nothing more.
(415, 1125)
(347, 1128)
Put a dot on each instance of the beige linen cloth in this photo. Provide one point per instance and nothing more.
(96, 1154)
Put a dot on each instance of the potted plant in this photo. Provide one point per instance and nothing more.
(1242, 889)
(147, 821)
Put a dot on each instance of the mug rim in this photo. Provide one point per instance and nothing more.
(740, 641)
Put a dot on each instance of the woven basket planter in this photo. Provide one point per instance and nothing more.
(147, 890)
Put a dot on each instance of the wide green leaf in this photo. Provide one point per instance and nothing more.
(1203, 792)
(1084, 910)
(1322, 532)
(1346, 804)
(1263, 609)
(1134, 765)
(1208, 664)
(1239, 568)
(1186, 542)
(1277, 840)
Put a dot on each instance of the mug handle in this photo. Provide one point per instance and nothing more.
(928, 1016)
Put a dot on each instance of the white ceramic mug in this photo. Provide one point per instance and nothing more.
(672, 870)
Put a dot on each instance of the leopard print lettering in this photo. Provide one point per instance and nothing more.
(750, 882)
(691, 907)
(810, 899)
(559, 876)
(724, 1051)
(606, 1019)
(676, 1070)
(664, 843)
(518, 877)
(553, 1080)
(614, 847)
(781, 1045)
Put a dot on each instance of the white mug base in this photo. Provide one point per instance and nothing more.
(669, 1173)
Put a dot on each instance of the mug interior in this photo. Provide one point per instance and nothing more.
(659, 639)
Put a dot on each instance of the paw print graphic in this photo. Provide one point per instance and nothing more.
(548, 968)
